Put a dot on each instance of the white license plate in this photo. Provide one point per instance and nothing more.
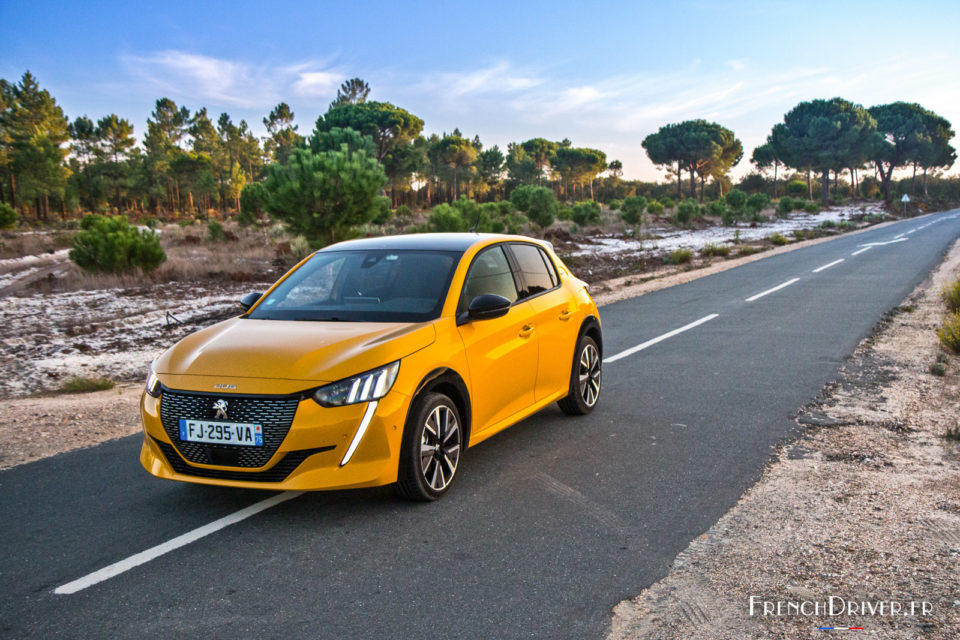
(237, 433)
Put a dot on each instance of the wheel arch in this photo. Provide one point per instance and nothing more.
(591, 327)
(448, 382)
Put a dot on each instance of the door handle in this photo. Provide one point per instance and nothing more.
(526, 330)
(565, 314)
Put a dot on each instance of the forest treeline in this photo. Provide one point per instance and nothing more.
(189, 162)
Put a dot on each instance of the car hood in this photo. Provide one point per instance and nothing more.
(293, 350)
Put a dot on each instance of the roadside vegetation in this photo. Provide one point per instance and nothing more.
(86, 384)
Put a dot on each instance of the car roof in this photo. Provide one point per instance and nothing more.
(424, 242)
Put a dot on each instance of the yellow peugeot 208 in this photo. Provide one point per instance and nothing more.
(374, 362)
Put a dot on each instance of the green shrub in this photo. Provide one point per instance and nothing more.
(506, 207)
(111, 245)
(811, 207)
(8, 216)
(949, 332)
(215, 231)
(443, 217)
(746, 250)
(631, 209)
(951, 295)
(564, 212)
(667, 202)
(778, 239)
(538, 203)
(586, 212)
(785, 206)
(681, 256)
(715, 250)
(938, 369)
(614, 204)
(736, 199)
(81, 384)
(846, 225)
(716, 208)
(383, 213)
(685, 212)
(757, 202)
(515, 223)
(828, 224)
(403, 211)
(253, 199)
(797, 188)
(654, 207)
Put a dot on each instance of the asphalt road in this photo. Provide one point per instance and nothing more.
(549, 525)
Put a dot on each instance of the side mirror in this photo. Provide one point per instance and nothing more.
(250, 299)
(488, 306)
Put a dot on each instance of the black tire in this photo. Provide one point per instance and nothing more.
(585, 379)
(433, 422)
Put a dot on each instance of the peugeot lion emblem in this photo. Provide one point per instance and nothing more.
(221, 407)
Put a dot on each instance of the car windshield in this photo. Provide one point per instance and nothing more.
(363, 286)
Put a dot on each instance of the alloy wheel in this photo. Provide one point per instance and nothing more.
(440, 447)
(589, 375)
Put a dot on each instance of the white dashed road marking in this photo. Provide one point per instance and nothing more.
(769, 291)
(650, 343)
(144, 557)
(827, 266)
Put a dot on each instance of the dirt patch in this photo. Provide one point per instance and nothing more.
(863, 508)
(41, 426)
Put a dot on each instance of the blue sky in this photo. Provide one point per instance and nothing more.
(603, 74)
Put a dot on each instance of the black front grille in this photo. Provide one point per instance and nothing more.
(277, 473)
(275, 414)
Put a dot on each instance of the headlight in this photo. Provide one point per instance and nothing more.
(365, 387)
(153, 384)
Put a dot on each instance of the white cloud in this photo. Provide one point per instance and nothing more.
(198, 77)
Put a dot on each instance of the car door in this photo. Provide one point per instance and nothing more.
(501, 352)
(553, 317)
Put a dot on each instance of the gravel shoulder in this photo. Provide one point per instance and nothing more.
(863, 507)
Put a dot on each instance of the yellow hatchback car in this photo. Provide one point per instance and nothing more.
(374, 362)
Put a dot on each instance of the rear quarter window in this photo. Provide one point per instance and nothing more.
(536, 269)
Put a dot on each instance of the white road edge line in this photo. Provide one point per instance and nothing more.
(769, 291)
(143, 557)
(859, 251)
(827, 266)
(650, 343)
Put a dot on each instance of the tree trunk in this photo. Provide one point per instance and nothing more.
(885, 180)
(775, 178)
(591, 188)
(693, 182)
(825, 187)
(679, 188)
(913, 181)
(925, 182)
(809, 186)
(13, 193)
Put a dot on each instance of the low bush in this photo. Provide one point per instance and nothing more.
(846, 225)
(715, 250)
(681, 256)
(797, 188)
(253, 200)
(785, 206)
(215, 231)
(443, 218)
(655, 207)
(631, 209)
(716, 209)
(586, 212)
(778, 240)
(685, 212)
(614, 204)
(758, 202)
(384, 213)
(828, 224)
(81, 384)
(951, 295)
(736, 200)
(538, 203)
(938, 369)
(8, 216)
(402, 211)
(564, 212)
(111, 245)
(949, 332)
(746, 250)
(667, 202)
(300, 248)
(811, 207)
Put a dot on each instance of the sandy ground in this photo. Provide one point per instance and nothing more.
(864, 507)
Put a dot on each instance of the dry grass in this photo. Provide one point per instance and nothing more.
(86, 384)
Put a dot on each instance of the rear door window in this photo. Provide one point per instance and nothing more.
(536, 270)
